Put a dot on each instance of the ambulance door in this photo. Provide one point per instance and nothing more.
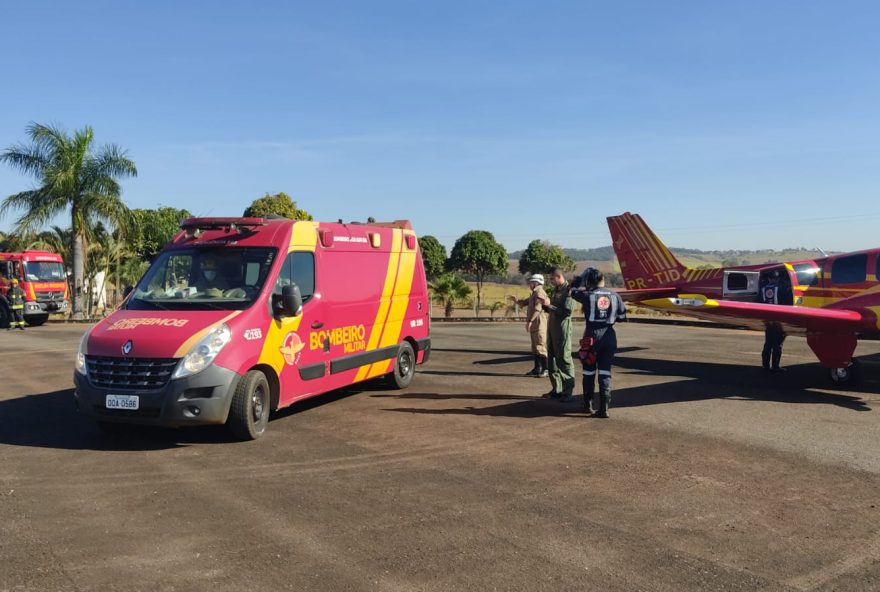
(304, 364)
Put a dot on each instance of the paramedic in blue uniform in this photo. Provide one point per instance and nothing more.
(774, 335)
(602, 308)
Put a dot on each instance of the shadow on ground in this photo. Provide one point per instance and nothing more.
(690, 381)
(50, 420)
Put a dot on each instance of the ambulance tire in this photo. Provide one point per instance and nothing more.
(404, 366)
(249, 413)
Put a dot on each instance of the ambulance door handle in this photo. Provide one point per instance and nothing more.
(317, 325)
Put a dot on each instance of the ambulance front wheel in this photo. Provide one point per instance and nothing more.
(404, 366)
(249, 413)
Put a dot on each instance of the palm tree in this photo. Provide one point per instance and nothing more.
(448, 289)
(495, 307)
(56, 240)
(12, 242)
(73, 179)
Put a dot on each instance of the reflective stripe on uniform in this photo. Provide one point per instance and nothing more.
(589, 372)
(605, 372)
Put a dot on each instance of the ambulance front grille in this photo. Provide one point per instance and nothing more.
(130, 373)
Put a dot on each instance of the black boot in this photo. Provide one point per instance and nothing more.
(777, 357)
(536, 369)
(589, 384)
(765, 358)
(604, 404)
(542, 367)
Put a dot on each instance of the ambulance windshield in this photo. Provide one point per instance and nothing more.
(205, 278)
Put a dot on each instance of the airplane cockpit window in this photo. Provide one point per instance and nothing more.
(849, 270)
(807, 274)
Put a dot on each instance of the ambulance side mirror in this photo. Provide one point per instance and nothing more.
(289, 303)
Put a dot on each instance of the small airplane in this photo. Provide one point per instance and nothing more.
(831, 300)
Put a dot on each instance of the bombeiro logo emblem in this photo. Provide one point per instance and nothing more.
(126, 348)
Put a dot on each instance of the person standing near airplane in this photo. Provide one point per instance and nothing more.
(602, 308)
(774, 335)
(560, 306)
(536, 323)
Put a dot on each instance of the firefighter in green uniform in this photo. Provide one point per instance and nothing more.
(15, 296)
(560, 307)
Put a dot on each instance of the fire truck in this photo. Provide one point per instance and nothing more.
(41, 275)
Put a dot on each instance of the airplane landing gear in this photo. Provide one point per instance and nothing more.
(848, 376)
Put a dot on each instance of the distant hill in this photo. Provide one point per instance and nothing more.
(597, 254)
(603, 257)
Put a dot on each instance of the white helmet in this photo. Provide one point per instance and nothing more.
(536, 277)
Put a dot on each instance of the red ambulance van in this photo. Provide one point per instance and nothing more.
(240, 316)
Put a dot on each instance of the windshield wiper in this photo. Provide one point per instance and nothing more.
(152, 303)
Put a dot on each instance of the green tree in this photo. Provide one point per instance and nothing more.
(72, 178)
(279, 204)
(495, 307)
(479, 254)
(541, 257)
(56, 240)
(153, 229)
(449, 289)
(14, 241)
(433, 255)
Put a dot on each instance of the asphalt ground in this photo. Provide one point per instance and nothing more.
(711, 475)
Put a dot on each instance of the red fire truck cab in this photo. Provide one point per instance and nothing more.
(240, 316)
(42, 277)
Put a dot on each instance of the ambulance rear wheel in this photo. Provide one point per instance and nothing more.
(404, 366)
(249, 413)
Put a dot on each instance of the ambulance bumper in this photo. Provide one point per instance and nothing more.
(203, 398)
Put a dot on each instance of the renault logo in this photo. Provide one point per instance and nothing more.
(126, 348)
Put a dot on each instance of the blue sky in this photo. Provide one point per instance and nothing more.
(725, 124)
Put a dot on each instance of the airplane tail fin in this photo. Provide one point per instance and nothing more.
(645, 262)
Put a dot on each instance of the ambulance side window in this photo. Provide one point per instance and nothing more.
(299, 267)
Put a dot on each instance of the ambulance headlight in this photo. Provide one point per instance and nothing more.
(203, 353)
(80, 363)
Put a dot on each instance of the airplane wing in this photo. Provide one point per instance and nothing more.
(795, 319)
(636, 295)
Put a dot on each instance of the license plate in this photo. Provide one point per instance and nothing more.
(129, 402)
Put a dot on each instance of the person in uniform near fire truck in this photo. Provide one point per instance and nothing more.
(561, 369)
(602, 308)
(15, 297)
(536, 323)
(774, 335)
